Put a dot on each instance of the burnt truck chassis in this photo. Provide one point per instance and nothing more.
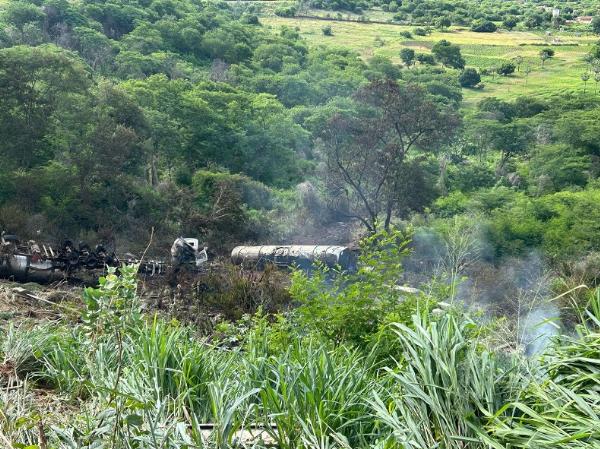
(33, 262)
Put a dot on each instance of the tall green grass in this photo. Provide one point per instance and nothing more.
(443, 385)
(129, 381)
(559, 405)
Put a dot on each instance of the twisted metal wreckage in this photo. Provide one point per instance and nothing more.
(34, 262)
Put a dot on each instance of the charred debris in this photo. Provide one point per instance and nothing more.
(30, 261)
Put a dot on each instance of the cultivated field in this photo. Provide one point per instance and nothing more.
(481, 50)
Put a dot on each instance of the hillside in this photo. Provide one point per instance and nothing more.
(481, 50)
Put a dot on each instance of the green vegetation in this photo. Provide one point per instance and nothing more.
(457, 142)
(483, 51)
(430, 376)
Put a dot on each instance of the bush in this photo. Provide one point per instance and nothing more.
(510, 22)
(596, 25)
(484, 26)
(425, 59)
(327, 31)
(285, 11)
(469, 78)
(250, 19)
(503, 110)
(350, 307)
(507, 68)
(563, 224)
(407, 55)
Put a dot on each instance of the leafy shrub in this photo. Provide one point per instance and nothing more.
(471, 176)
(327, 31)
(484, 26)
(250, 19)
(425, 58)
(469, 78)
(510, 22)
(455, 203)
(285, 11)
(503, 110)
(507, 68)
(563, 224)
(350, 307)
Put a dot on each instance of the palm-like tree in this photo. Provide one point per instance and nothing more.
(585, 77)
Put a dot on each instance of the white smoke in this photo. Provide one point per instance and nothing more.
(538, 328)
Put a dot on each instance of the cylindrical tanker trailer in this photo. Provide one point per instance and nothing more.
(302, 256)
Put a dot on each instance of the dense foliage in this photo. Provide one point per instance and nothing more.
(192, 118)
(108, 110)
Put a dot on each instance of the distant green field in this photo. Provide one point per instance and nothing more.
(481, 50)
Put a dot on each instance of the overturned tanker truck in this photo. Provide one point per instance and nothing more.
(33, 262)
(301, 256)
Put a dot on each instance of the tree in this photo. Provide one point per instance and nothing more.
(407, 55)
(501, 110)
(596, 24)
(546, 54)
(380, 65)
(585, 77)
(506, 69)
(510, 22)
(327, 30)
(35, 83)
(93, 46)
(484, 26)
(527, 71)
(594, 53)
(425, 59)
(469, 78)
(370, 174)
(518, 60)
(21, 15)
(274, 56)
(510, 139)
(448, 54)
(561, 164)
(443, 23)
(535, 20)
